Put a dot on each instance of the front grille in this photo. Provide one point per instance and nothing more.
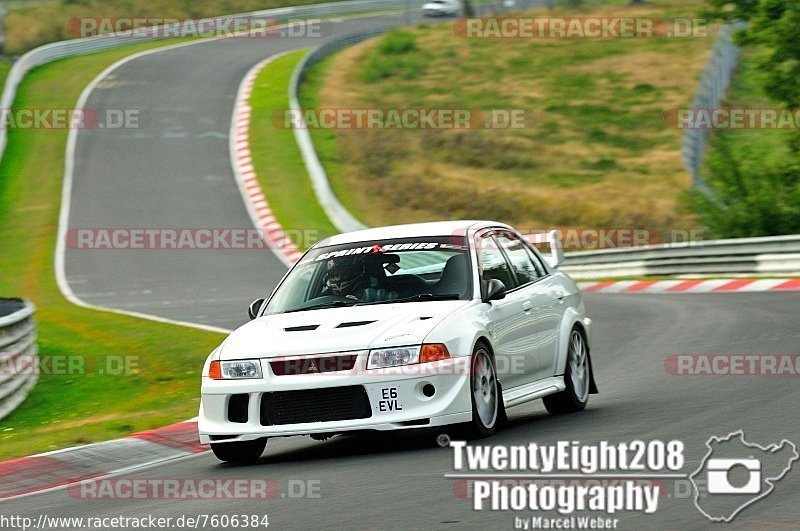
(313, 364)
(315, 405)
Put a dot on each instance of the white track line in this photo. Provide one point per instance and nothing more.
(66, 196)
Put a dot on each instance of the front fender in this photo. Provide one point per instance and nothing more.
(462, 329)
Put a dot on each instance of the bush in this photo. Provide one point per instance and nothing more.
(747, 198)
(397, 42)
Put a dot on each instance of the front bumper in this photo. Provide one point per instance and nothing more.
(396, 400)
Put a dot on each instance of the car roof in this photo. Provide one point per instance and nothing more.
(411, 230)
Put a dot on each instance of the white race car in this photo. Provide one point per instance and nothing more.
(437, 8)
(412, 326)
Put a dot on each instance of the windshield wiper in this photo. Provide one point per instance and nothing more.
(419, 297)
(332, 304)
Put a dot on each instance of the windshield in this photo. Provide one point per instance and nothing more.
(376, 272)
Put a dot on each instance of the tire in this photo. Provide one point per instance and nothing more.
(577, 377)
(487, 408)
(240, 453)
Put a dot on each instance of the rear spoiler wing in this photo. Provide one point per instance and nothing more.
(553, 240)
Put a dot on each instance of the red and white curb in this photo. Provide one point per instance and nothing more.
(692, 286)
(242, 163)
(61, 468)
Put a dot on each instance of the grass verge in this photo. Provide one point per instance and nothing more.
(595, 151)
(165, 361)
(276, 157)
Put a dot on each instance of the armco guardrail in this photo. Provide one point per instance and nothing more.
(776, 255)
(17, 338)
(57, 50)
(341, 218)
(714, 82)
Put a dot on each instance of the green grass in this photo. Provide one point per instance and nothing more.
(276, 157)
(594, 137)
(67, 410)
(5, 66)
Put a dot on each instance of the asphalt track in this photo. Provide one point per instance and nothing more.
(172, 173)
(397, 482)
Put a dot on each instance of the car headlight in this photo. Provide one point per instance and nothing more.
(393, 357)
(234, 370)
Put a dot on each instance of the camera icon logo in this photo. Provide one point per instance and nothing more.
(718, 476)
(735, 474)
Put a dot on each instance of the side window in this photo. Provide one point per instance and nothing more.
(493, 263)
(537, 262)
(521, 261)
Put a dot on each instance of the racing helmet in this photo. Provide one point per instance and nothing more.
(345, 275)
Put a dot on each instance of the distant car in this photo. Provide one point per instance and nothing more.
(441, 8)
(395, 328)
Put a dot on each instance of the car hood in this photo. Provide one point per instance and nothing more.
(337, 329)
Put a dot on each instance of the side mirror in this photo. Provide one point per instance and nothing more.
(495, 290)
(255, 307)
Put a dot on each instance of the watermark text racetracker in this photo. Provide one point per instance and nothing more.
(733, 364)
(578, 27)
(59, 119)
(491, 466)
(399, 118)
(187, 238)
(24, 365)
(203, 488)
(729, 118)
(164, 27)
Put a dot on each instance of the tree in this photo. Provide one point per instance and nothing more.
(749, 197)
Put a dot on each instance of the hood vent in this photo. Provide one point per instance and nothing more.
(425, 318)
(354, 323)
(303, 328)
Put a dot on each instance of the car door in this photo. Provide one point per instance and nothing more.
(506, 316)
(541, 307)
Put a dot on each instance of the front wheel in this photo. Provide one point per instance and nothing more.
(485, 392)
(240, 453)
(577, 378)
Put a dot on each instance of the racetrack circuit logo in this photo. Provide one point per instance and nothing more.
(738, 474)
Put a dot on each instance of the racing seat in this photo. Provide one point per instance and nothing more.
(454, 277)
(378, 295)
(406, 285)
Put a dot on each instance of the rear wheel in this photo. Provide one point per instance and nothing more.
(240, 453)
(577, 377)
(485, 391)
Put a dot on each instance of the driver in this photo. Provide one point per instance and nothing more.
(347, 277)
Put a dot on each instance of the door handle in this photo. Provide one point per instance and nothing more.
(560, 296)
(526, 306)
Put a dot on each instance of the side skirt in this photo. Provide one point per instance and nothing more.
(532, 391)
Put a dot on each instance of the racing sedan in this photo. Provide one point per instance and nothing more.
(396, 328)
